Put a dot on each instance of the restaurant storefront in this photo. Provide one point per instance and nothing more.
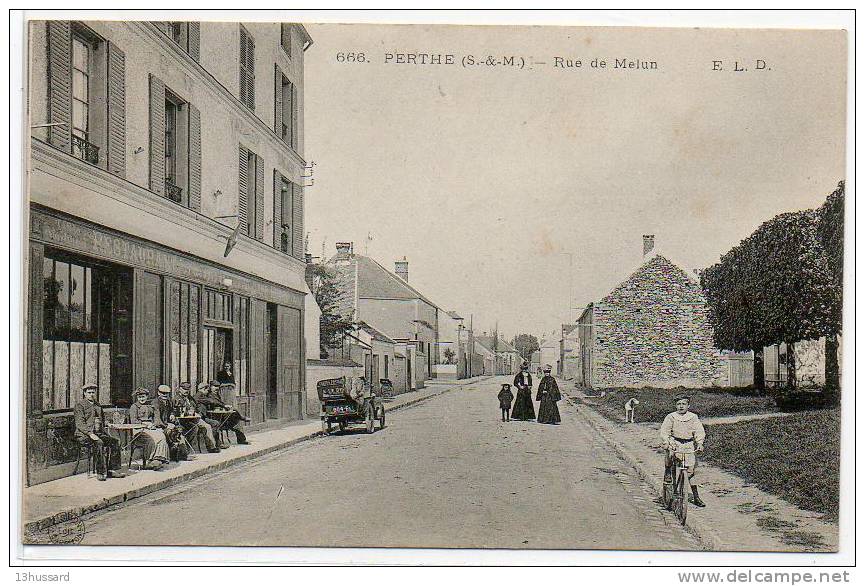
(122, 313)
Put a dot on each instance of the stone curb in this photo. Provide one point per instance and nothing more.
(707, 536)
(76, 512)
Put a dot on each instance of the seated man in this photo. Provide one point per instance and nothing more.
(152, 438)
(188, 412)
(90, 430)
(208, 397)
(167, 422)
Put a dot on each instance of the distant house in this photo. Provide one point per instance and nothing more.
(503, 358)
(550, 352)
(535, 364)
(385, 301)
(570, 367)
(451, 346)
(652, 329)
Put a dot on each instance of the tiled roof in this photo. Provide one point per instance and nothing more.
(488, 342)
(376, 334)
(376, 282)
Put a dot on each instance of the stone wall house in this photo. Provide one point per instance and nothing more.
(653, 329)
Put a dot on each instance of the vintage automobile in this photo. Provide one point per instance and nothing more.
(347, 401)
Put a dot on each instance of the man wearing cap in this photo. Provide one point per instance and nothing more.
(208, 396)
(90, 430)
(167, 422)
(186, 406)
(152, 438)
(682, 432)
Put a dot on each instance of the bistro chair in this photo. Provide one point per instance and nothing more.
(136, 445)
(85, 447)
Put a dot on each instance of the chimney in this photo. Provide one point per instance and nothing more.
(344, 249)
(400, 267)
(648, 243)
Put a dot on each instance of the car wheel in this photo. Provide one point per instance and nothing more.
(341, 425)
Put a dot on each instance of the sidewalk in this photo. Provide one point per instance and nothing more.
(67, 498)
(738, 515)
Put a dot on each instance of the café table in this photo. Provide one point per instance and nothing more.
(186, 422)
(221, 416)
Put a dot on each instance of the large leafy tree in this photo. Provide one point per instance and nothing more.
(526, 344)
(779, 285)
(324, 285)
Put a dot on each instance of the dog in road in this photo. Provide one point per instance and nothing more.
(629, 409)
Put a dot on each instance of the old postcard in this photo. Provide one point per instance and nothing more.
(433, 286)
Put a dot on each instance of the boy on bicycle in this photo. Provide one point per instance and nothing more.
(682, 431)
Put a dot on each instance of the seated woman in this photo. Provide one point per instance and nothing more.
(151, 437)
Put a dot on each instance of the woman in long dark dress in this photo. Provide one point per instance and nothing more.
(524, 409)
(548, 394)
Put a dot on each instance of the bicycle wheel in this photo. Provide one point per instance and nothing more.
(683, 487)
(667, 490)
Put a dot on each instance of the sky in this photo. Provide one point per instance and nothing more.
(520, 195)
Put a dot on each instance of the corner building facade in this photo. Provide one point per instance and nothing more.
(153, 146)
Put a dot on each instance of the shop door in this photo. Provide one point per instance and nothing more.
(148, 334)
(271, 338)
(217, 350)
(121, 347)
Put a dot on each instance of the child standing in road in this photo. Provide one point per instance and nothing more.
(506, 397)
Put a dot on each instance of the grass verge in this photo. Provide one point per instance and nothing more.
(656, 403)
(794, 457)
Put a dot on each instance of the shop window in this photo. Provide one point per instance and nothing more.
(184, 325)
(76, 340)
(218, 306)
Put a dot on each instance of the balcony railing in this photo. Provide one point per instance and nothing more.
(84, 150)
(173, 192)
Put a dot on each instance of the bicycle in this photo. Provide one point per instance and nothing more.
(677, 484)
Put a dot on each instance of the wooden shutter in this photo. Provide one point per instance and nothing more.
(60, 83)
(297, 220)
(157, 135)
(116, 111)
(277, 100)
(193, 40)
(259, 198)
(247, 69)
(294, 116)
(242, 67)
(277, 209)
(285, 38)
(242, 186)
(194, 158)
(250, 70)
